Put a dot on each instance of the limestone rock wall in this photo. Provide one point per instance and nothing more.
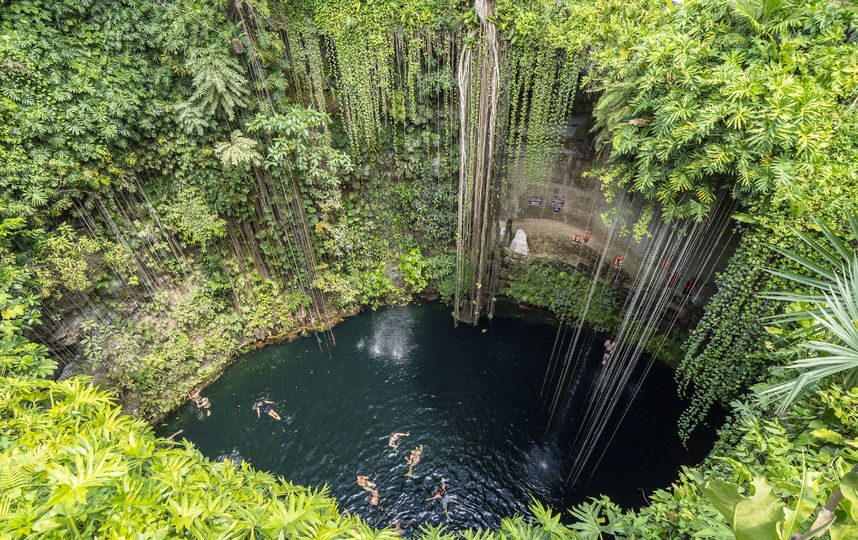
(571, 203)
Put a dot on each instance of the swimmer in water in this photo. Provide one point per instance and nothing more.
(393, 437)
(413, 459)
(264, 406)
(364, 482)
(373, 497)
(441, 495)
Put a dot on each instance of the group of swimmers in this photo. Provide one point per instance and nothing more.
(412, 460)
(261, 405)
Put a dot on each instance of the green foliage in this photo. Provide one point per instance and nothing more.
(77, 467)
(724, 353)
(240, 150)
(298, 146)
(440, 272)
(190, 216)
(824, 331)
(19, 313)
(425, 208)
(563, 291)
(363, 37)
(728, 94)
(64, 258)
(412, 265)
(763, 515)
(219, 83)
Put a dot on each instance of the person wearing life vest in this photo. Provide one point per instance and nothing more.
(618, 261)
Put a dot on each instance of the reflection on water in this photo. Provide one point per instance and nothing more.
(469, 398)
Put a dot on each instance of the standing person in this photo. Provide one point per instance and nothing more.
(441, 495)
(262, 405)
(413, 459)
(609, 350)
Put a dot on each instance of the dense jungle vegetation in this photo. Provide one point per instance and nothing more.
(180, 180)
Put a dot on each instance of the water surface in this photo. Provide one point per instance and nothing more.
(469, 396)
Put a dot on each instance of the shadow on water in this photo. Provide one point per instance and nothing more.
(471, 398)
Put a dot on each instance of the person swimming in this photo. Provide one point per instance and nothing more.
(264, 406)
(413, 459)
(202, 403)
(442, 495)
(363, 481)
(373, 497)
(393, 437)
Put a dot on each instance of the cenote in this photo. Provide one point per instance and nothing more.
(470, 396)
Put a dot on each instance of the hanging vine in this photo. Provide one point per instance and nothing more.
(479, 88)
(547, 92)
(723, 355)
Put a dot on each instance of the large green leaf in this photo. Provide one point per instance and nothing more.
(753, 517)
(723, 496)
(756, 517)
(804, 505)
(849, 489)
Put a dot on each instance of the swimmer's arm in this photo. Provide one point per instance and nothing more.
(257, 414)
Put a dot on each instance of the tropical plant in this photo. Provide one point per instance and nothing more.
(731, 94)
(821, 329)
(219, 82)
(723, 354)
(239, 151)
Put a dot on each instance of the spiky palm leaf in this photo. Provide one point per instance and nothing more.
(827, 346)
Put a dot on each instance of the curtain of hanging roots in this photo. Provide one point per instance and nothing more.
(479, 82)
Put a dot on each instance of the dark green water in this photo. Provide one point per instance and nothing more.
(471, 398)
